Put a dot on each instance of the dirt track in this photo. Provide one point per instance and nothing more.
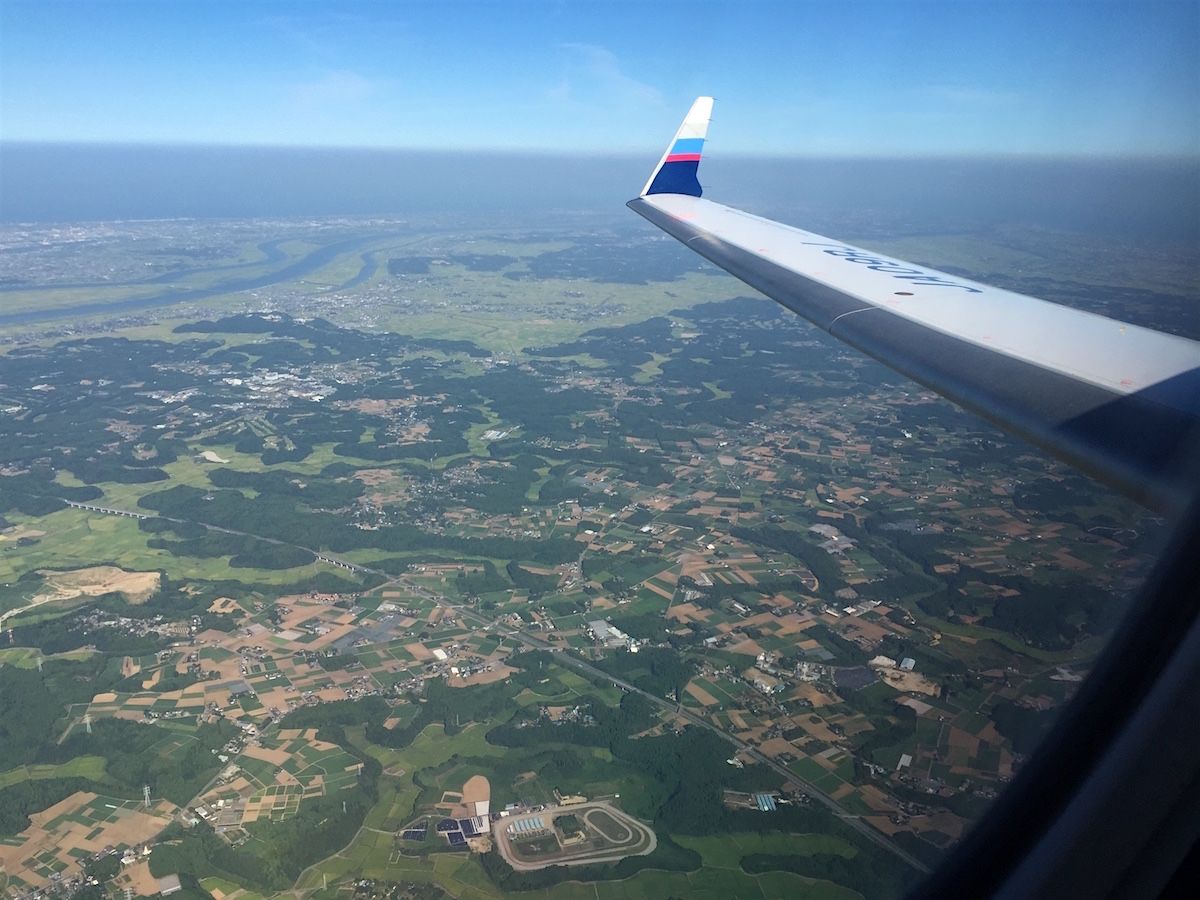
(622, 835)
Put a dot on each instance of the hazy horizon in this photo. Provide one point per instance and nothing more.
(43, 182)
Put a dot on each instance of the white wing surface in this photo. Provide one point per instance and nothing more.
(1119, 401)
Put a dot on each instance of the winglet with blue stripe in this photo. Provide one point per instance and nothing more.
(1117, 400)
(676, 171)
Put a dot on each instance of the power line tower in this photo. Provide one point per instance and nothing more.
(87, 722)
(146, 795)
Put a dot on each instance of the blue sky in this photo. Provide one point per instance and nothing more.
(829, 78)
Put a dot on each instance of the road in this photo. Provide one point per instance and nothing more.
(590, 671)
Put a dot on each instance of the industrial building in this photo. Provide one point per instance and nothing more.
(607, 634)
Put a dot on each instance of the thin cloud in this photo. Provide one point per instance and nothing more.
(330, 36)
(306, 39)
(600, 69)
(970, 96)
(336, 87)
(561, 92)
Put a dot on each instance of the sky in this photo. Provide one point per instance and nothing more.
(971, 77)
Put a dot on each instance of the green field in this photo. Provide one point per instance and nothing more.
(27, 657)
(76, 538)
(227, 887)
(90, 767)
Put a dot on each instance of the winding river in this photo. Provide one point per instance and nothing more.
(311, 262)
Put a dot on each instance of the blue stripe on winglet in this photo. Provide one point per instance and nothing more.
(677, 178)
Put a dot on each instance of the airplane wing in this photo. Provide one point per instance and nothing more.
(1118, 401)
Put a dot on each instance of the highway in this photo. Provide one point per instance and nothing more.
(321, 557)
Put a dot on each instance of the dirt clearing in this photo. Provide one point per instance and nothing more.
(137, 587)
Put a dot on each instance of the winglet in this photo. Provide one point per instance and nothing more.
(676, 171)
